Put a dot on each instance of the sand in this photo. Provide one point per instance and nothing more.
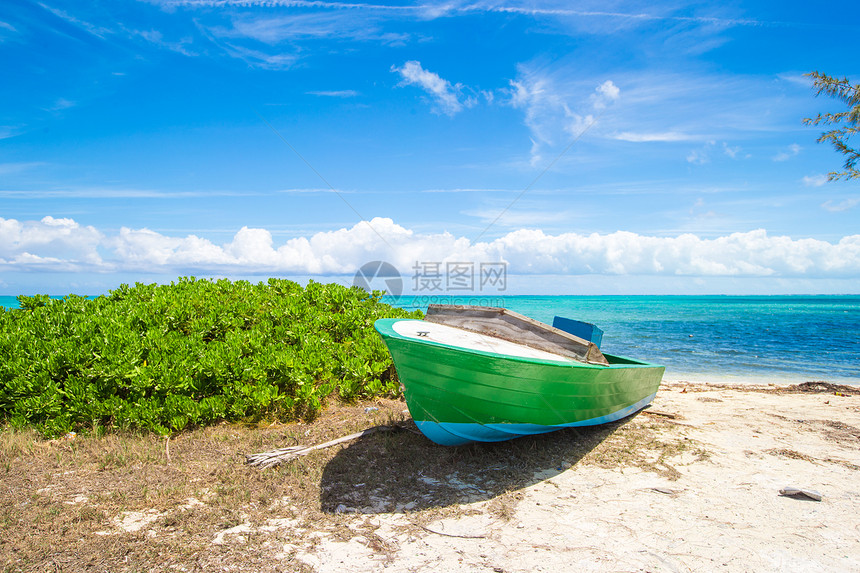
(717, 507)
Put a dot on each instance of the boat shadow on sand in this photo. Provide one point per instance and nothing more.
(400, 471)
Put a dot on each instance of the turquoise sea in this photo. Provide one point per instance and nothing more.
(781, 339)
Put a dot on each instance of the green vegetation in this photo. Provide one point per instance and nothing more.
(838, 137)
(195, 352)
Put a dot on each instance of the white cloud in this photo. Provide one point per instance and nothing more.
(114, 193)
(7, 131)
(698, 157)
(519, 217)
(660, 106)
(156, 38)
(557, 108)
(317, 23)
(447, 9)
(64, 245)
(280, 61)
(841, 206)
(9, 168)
(815, 180)
(447, 97)
(702, 155)
(666, 136)
(606, 93)
(61, 244)
(60, 105)
(335, 93)
(740, 254)
(143, 248)
(792, 151)
(97, 31)
(274, 30)
(731, 151)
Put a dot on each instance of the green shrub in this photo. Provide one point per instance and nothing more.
(195, 352)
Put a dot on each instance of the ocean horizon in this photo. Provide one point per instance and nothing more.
(781, 339)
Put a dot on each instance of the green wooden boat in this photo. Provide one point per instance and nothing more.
(483, 374)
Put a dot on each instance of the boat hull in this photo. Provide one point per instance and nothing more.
(458, 395)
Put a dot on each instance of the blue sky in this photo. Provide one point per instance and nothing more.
(618, 147)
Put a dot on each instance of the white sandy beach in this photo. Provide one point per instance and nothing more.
(722, 511)
(690, 484)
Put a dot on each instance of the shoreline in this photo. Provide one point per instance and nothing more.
(745, 381)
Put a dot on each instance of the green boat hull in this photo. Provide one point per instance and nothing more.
(458, 395)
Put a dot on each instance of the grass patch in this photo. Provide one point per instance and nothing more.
(118, 502)
(790, 454)
(648, 445)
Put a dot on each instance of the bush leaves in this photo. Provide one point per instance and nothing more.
(195, 352)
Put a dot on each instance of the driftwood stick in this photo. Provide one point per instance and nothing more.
(669, 415)
(275, 457)
(427, 529)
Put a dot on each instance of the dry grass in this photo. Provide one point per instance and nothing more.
(818, 387)
(790, 454)
(142, 503)
(649, 443)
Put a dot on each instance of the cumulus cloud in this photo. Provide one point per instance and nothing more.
(64, 245)
(447, 97)
(55, 244)
(754, 253)
(604, 94)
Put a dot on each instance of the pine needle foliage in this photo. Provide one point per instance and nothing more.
(195, 352)
(850, 120)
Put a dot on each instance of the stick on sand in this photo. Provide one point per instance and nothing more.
(275, 457)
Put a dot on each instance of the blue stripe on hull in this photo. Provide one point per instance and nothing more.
(458, 433)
